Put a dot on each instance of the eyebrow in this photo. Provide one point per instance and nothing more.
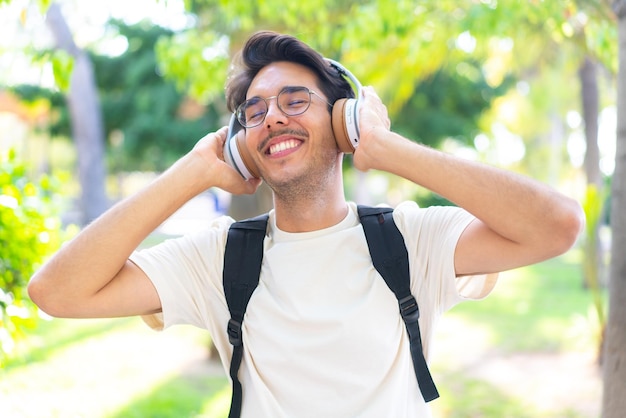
(284, 88)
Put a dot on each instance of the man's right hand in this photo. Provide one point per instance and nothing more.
(211, 149)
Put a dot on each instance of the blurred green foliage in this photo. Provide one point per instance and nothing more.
(594, 206)
(395, 44)
(148, 121)
(449, 104)
(29, 230)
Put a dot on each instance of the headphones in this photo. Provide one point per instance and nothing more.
(344, 121)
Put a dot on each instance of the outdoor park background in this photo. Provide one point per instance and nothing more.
(509, 83)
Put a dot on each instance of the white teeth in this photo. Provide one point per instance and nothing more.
(282, 146)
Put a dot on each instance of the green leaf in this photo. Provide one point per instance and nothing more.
(62, 66)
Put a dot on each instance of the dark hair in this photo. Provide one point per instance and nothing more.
(264, 48)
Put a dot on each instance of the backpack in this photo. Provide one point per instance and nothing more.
(389, 256)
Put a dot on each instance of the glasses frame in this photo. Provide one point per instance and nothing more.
(240, 114)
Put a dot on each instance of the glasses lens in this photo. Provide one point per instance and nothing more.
(252, 112)
(294, 100)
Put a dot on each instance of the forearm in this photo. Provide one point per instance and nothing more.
(517, 208)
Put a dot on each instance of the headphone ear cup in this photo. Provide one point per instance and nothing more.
(345, 124)
(236, 153)
(245, 154)
(339, 127)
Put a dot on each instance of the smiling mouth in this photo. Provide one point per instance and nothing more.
(283, 146)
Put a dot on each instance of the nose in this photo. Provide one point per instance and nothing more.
(274, 115)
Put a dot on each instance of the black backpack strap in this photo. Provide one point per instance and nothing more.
(390, 258)
(242, 266)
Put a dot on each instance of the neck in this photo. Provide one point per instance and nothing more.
(311, 208)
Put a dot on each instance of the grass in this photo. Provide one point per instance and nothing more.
(479, 399)
(536, 308)
(121, 369)
(51, 337)
(118, 368)
(474, 398)
(186, 395)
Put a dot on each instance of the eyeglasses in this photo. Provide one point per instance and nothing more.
(292, 101)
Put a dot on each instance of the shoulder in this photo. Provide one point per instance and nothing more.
(211, 235)
(431, 233)
(215, 231)
(186, 272)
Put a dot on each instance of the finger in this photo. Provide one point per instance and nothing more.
(222, 134)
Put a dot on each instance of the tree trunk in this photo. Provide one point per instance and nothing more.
(594, 269)
(614, 398)
(86, 121)
(589, 92)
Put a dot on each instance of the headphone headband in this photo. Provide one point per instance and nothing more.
(343, 71)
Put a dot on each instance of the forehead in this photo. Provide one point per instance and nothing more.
(273, 77)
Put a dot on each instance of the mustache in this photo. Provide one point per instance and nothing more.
(285, 131)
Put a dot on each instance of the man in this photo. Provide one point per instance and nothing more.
(322, 332)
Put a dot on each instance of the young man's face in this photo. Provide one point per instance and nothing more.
(291, 148)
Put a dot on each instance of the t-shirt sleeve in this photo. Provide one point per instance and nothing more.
(431, 236)
(187, 274)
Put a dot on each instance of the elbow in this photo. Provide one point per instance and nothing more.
(42, 296)
(568, 227)
(36, 293)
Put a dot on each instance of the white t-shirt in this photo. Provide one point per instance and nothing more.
(322, 333)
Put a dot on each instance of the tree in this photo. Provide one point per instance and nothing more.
(590, 105)
(614, 398)
(86, 120)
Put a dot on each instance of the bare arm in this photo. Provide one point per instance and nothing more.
(91, 275)
(519, 221)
